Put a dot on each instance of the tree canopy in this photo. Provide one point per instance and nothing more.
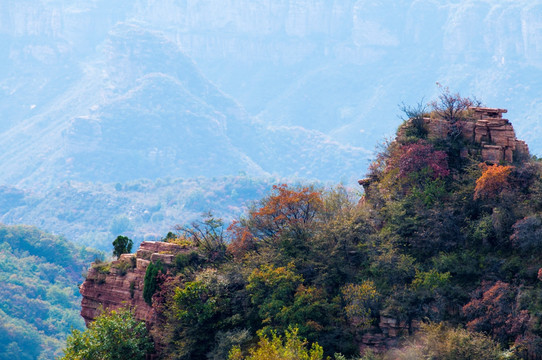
(122, 245)
(114, 335)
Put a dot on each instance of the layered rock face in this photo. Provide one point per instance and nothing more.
(488, 129)
(497, 137)
(120, 283)
(388, 333)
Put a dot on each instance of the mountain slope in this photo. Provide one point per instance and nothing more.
(39, 274)
(143, 110)
(440, 258)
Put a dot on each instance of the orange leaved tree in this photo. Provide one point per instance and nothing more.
(286, 209)
(494, 179)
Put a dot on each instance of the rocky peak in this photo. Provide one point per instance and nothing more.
(485, 128)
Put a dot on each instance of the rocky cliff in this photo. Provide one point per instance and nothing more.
(120, 283)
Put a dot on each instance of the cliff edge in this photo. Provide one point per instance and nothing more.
(120, 283)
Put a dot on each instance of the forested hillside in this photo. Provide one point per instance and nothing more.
(442, 250)
(93, 214)
(39, 277)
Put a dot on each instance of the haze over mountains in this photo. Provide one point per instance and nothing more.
(142, 109)
(343, 66)
(95, 91)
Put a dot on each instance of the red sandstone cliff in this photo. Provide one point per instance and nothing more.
(120, 283)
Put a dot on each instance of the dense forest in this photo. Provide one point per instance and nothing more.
(39, 274)
(439, 259)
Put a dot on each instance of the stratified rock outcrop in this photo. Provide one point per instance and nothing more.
(492, 136)
(120, 283)
(488, 129)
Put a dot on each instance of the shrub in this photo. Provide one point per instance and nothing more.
(225, 341)
(185, 260)
(360, 299)
(207, 235)
(437, 341)
(527, 234)
(430, 280)
(414, 125)
(123, 267)
(420, 155)
(102, 267)
(150, 283)
(493, 310)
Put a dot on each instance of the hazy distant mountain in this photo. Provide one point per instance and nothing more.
(94, 91)
(142, 109)
(342, 67)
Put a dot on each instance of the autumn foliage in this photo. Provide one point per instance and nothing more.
(493, 310)
(285, 209)
(421, 155)
(344, 272)
(493, 180)
(242, 239)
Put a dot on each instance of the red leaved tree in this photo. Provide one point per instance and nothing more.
(421, 155)
(493, 310)
(242, 239)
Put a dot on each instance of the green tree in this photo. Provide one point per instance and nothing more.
(114, 335)
(122, 245)
(272, 289)
(359, 299)
(150, 284)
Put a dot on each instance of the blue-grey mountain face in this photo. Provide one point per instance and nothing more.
(142, 109)
(100, 91)
(343, 66)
